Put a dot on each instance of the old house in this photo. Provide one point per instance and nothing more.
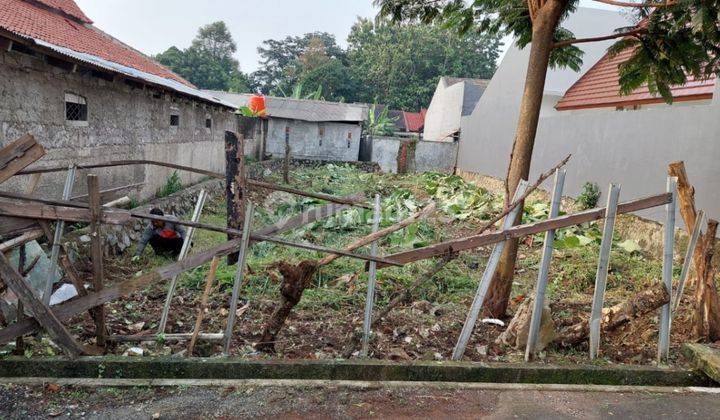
(612, 137)
(89, 98)
(318, 130)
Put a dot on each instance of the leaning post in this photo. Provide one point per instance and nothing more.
(668, 248)
(239, 274)
(484, 285)
(690, 252)
(602, 270)
(59, 229)
(234, 183)
(539, 302)
(372, 276)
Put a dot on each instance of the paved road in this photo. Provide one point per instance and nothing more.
(341, 402)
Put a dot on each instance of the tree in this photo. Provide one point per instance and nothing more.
(400, 65)
(280, 59)
(208, 63)
(674, 39)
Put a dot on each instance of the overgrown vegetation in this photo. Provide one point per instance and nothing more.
(172, 185)
(590, 196)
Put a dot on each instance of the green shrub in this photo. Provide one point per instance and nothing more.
(172, 185)
(589, 196)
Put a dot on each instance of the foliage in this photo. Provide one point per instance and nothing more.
(400, 66)
(380, 123)
(675, 41)
(172, 185)
(283, 62)
(208, 63)
(299, 92)
(590, 195)
(459, 199)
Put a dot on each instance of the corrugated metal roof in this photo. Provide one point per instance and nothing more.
(300, 109)
(48, 27)
(600, 87)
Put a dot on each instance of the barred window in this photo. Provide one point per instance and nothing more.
(208, 122)
(75, 108)
(174, 120)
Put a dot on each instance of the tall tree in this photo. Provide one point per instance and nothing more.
(400, 65)
(279, 59)
(209, 62)
(676, 38)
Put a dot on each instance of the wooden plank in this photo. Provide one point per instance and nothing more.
(18, 155)
(477, 241)
(96, 252)
(40, 311)
(65, 262)
(203, 305)
(21, 240)
(70, 214)
(11, 226)
(69, 309)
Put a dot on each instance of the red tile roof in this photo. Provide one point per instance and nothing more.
(600, 87)
(414, 121)
(68, 7)
(27, 19)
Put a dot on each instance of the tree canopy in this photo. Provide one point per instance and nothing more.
(674, 38)
(397, 65)
(208, 63)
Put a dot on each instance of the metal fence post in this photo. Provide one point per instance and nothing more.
(602, 271)
(539, 302)
(484, 284)
(202, 197)
(668, 251)
(372, 274)
(57, 238)
(239, 273)
(687, 263)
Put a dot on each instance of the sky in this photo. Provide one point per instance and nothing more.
(152, 26)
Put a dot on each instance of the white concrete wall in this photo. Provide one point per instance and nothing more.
(632, 148)
(445, 111)
(437, 156)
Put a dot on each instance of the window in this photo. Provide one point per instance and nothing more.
(321, 132)
(75, 108)
(208, 122)
(174, 120)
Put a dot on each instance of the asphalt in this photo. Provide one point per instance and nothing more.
(329, 401)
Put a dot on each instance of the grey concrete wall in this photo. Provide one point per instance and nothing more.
(632, 148)
(123, 123)
(307, 143)
(429, 155)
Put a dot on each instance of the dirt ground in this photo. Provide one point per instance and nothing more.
(21, 402)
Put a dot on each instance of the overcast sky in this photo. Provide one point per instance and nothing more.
(152, 26)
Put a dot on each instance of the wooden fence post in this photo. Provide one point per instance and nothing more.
(484, 284)
(668, 252)
(235, 184)
(602, 270)
(544, 270)
(96, 251)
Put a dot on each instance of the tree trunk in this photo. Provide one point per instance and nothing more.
(234, 184)
(706, 322)
(544, 26)
(639, 305)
